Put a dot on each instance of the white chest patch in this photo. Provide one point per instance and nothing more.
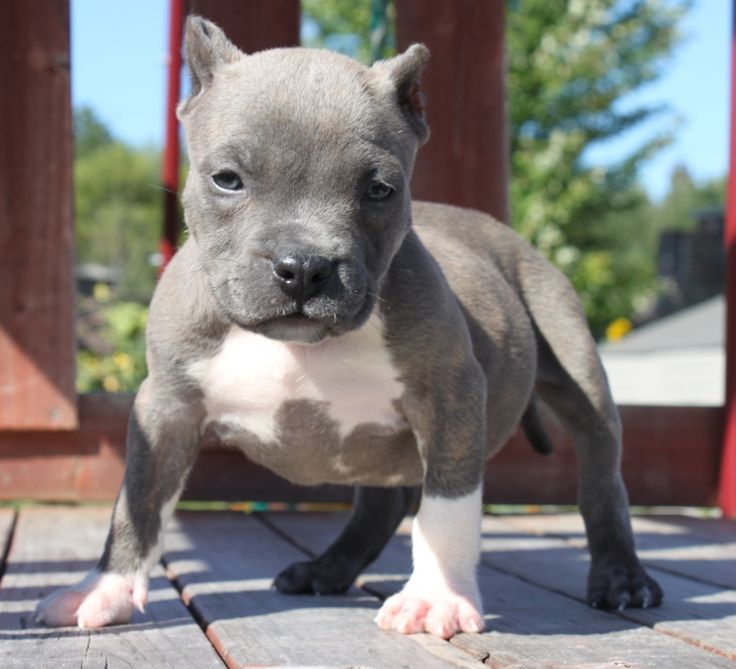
(251, 376)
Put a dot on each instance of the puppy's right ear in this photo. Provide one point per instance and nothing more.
(404, 72)
(207, 49)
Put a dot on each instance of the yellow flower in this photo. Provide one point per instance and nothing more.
(618, 329)
(101, 291)
(122, 361)
(111, 383)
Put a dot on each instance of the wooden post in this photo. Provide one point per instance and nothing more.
(465, 161)
(36, 228)
(727, 494)
(170, 162)
(253, 25)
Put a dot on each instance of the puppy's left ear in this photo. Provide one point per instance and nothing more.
(207, 49)
(405, 71)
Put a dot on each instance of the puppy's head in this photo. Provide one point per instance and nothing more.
(298, 190)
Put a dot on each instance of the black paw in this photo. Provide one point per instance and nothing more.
(617, 586)
(316, 577)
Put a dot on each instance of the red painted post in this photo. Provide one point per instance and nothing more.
(465, 161)
(36, 223)
(170, 166)
(727, 493)
(253, 25)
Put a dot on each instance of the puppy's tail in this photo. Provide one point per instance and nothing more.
(531, 423)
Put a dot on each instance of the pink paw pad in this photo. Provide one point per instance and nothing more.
(98, 600)
(441, 615)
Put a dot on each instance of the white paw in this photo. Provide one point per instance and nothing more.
(98, 600)
(440, 612)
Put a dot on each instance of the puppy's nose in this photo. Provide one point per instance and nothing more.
(302, 276)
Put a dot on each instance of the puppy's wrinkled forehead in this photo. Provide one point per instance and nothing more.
(298, 98)
(305, 99)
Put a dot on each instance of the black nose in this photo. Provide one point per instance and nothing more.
(302, 276)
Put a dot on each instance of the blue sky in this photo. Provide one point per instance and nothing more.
(119, 57)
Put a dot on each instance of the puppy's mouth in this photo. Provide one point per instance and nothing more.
(308, 323)
(301, 327)
(295, 327)
(297, 318)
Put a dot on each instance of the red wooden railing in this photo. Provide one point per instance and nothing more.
(47, 451)
(170, 162)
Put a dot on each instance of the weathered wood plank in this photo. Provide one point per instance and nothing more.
(710, 528)
(53, 547)
(699, 613)
(530, 624)
(702, 549)
(225, 564)
(659, 464)
(88, 464)
(85, 464)
(36, 228)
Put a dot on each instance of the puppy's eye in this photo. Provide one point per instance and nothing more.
(378, 191)
(228, 180)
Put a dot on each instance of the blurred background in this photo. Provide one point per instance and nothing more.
(618, 138)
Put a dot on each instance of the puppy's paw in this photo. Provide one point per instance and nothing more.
(98, 600)
(618, 586)
(318, 577)
(441, 612)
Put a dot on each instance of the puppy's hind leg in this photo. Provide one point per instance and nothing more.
(573, 383)
(163, 440)
(376, 514)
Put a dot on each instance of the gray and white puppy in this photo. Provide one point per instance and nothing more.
(338, 332)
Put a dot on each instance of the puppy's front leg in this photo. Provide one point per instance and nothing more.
(441, 596)
(162, 444)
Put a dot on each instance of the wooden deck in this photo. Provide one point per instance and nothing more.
(212, 605)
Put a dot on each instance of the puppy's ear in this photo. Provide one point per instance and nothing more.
(207, 49)
(404, 72)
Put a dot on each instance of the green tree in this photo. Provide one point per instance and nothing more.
(117, 202)
(122, 366)
(90, 133)
(118, 221)
(570, 67)
(685, 199)
(362, 30)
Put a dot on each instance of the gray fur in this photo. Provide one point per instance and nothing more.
(369, 455)
(474, 319)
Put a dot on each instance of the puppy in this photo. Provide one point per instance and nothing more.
(338, 332)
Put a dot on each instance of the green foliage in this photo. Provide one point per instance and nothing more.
(685, 198)
(118, 223)
(90, 133)
(117, 205)
(124, 367)
(570, 65)
(363, 29)
(614, 273)
(631, 240)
